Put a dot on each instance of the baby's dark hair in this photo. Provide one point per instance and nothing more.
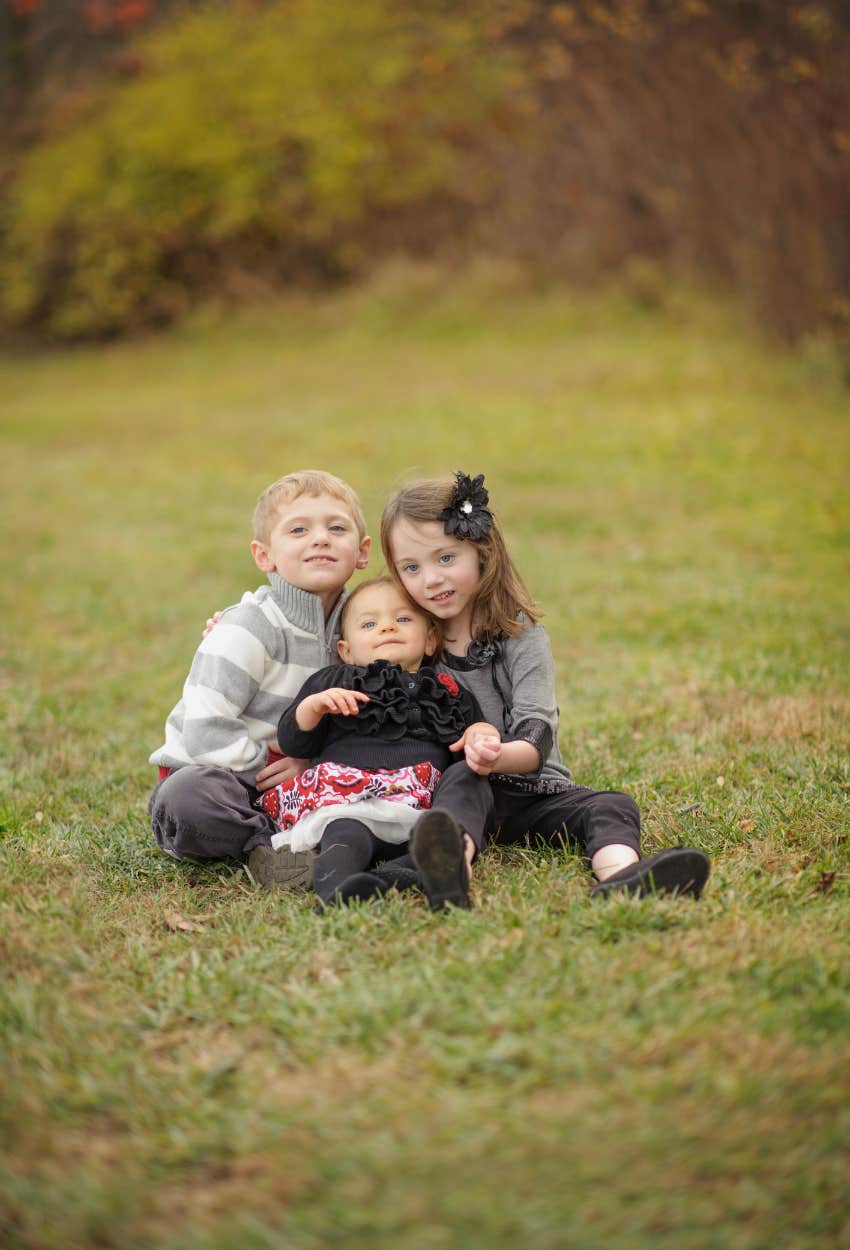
(386, 580)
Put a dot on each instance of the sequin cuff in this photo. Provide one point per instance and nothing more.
(538, 733)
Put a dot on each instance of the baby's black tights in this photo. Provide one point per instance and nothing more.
(347, 849)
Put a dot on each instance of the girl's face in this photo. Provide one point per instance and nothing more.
(439, 572)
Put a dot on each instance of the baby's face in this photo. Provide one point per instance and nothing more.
(382, 624)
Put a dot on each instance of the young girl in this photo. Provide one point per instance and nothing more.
(379, 730)
(446, 549)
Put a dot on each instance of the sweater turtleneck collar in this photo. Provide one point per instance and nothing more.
(305, 609)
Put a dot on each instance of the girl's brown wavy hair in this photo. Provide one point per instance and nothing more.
(503, 604)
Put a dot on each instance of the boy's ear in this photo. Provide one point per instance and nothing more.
(262, 557)
(363, 555)
(344, 651)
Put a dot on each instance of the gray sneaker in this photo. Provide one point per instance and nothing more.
(281, 869)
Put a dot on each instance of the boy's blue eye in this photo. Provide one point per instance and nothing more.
(367, 624)
(404, 620)
(339, 528)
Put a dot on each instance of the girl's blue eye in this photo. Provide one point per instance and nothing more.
(410, 569)
(404, 620)
(446, 558)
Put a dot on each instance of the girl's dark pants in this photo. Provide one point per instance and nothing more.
(587, 819)
(578, 816)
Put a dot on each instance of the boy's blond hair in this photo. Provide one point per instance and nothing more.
(304, 482)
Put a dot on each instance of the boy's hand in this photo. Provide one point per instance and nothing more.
(212, 621)
(336, 700)
(281, 770)
(481, 746)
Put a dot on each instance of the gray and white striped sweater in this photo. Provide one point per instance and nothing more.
(245, 674)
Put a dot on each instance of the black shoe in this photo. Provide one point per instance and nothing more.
(281, 869)
(678, 870)
(359, 887)
(397, 876)
(437, 849)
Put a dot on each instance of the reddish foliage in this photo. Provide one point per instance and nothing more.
(102, 15)
(98, 16)
(23, 8)
(131, 12)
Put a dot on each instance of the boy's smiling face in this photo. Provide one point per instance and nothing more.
(314, 545)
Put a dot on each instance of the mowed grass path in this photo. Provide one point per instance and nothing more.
(190, 1063)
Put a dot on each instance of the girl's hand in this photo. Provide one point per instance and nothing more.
(212, 621)
(281, 770)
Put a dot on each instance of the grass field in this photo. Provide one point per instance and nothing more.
(190, 1063)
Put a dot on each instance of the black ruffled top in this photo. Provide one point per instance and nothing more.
(410, 718)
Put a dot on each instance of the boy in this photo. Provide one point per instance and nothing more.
(220, 750)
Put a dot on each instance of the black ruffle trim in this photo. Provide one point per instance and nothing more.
(395, 710)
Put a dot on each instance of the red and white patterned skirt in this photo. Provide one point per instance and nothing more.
(388, 801)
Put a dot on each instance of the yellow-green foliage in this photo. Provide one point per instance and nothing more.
(287, 126)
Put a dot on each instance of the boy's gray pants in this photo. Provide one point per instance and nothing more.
(201, 813)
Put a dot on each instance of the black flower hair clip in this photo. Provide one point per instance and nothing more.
(467, 515)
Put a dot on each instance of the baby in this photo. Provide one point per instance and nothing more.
(379, 729)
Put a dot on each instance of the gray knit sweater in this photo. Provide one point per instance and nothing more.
(245, 674)
(514, 681)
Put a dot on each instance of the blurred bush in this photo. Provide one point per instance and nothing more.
(257, 141)
(299, 141)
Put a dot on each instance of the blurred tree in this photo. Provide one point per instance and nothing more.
(269, 139)
(153, 149)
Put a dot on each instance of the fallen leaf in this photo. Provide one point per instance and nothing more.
(827, 880)
(746, 826)
(178, 923)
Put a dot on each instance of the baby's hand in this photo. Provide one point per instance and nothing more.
(344, 702)
(482, 754)
(481, 746)
(337, 699)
